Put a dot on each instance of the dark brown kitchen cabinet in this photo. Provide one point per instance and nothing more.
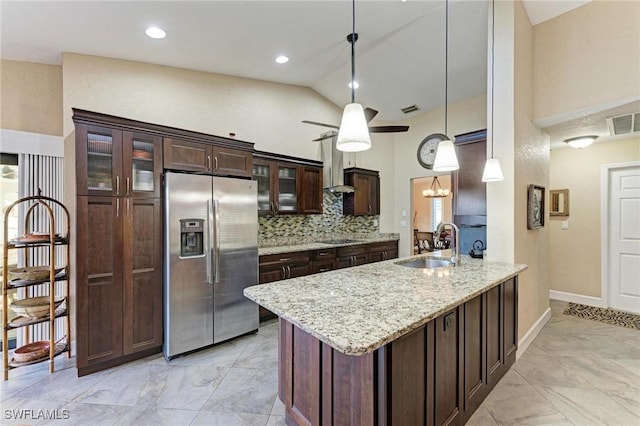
(119, 280)
(365, 200)
(114, 162)
(287, 185)
(276, 267)
(433, 375)
(206, 158)
(323, 260)
(349, 256)
(470, 192)
(382, 251)
(310, 195)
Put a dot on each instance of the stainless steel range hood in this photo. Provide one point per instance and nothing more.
(333, 171)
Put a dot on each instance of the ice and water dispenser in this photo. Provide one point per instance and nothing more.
(191, 237)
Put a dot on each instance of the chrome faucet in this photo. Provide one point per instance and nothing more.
(455, 256)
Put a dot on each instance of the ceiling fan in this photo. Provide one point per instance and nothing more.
(369, 114)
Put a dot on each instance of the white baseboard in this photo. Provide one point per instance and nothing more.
(577, 298)
(531, 334)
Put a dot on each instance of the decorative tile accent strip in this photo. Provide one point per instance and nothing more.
(606, 315)
(300, 229)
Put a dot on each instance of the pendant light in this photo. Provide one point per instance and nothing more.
(446, 159)
(353, 135)
(492, 170)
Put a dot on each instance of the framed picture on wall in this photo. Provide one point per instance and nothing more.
(535, 207)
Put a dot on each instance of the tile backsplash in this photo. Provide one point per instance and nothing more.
(287, 229)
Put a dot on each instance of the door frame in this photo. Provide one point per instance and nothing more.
(605, 204)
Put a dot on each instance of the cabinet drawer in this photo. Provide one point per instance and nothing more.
(289, 258)
(351, 250)
(322, 254)
(322, 265)
(384, 246)
(349, 261)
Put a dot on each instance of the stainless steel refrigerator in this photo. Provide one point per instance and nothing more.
(211, 255)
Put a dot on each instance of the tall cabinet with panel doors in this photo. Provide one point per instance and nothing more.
(287, 185)
(119, 236)
(365, 200)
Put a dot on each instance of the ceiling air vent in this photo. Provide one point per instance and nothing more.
(623, 124)
(410, 109)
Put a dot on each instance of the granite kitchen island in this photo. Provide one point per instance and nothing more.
(388, 344)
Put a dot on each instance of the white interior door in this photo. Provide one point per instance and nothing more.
(624, 238)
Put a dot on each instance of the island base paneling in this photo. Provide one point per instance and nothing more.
(417, 379)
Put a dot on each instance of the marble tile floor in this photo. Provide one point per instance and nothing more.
(576, 372)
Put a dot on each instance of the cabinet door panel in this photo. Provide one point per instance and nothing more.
(99, 286)
(232, 162)
(187, 155)
(310, 190)
(449, 369)
(474, 353)
(262, 173)
(99, 161)
(142, 164)
(494, 339)
(510, 289)
(287, 189)
(142, 275)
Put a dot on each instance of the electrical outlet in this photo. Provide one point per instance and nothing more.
(564, 224)
(449, 321)
(403, 224)
(404, 213)
(375, 222)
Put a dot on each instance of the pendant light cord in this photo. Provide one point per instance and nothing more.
(446, 65)
(353, 43)
(493, 53)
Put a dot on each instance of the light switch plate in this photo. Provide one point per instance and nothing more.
(564, 224)
(404, 213)
(403, 224)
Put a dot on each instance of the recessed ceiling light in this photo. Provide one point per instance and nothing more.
(282, 59)
(355, 85)
(155, 32)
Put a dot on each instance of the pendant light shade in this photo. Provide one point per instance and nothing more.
(446, 159)
(492, 171)
(353, 135)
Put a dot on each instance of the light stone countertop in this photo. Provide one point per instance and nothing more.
(360, 309)
(318, 245)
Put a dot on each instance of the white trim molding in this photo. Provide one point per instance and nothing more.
(17, 142)
(605, 172)
(532, 333)
(598, 302)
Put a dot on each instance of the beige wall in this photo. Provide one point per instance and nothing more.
(575, 252)
(31, 97)
(531, 164)
(465, 116)
(587, 57)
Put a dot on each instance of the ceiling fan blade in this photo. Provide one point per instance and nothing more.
(369, 113)
(329, 136)
(388, 129)
(321, 124)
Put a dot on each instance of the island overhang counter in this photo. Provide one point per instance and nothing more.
(387, 344)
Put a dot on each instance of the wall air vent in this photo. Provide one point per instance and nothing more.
(410, 109)
(623, 124)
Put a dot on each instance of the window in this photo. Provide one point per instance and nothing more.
(436, 212)
(9, 194)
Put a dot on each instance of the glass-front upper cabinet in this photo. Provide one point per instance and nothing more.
(262, 175)
(142, 164)
(287, 190)
(277, 187)
(117, 163)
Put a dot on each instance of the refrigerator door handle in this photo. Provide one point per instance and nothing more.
(216, 256)
(209, 241)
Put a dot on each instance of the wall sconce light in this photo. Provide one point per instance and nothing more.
(436, 190)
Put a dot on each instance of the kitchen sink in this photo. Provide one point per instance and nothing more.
(426, 263)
